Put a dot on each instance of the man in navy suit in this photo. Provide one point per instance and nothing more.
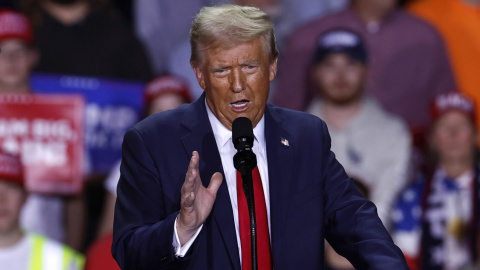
(177, 202)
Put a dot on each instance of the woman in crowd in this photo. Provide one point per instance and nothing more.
(436, 219)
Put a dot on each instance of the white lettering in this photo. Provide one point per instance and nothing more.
(42, 128)
(47, 153)
(13, 127)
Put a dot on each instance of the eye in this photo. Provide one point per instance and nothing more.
(327, 64)
(220, 72)
(250, 68)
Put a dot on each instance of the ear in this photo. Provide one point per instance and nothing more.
(199, 75)
(273, 69)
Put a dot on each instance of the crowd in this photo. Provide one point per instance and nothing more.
(395, 81)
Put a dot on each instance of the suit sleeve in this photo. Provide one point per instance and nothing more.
(143, 230)
(352, 225)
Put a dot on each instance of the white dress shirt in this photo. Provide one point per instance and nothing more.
(223, 138)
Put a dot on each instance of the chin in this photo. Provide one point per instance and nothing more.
(343, 100)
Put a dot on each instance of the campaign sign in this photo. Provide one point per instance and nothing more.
(113, 106)
(47, 132)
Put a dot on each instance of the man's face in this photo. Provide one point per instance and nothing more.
(12, 198)
(454, 136)
(236, 81)
(165, 102)
(16, 62)
(339, 78)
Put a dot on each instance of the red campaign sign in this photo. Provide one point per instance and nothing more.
(47, 130)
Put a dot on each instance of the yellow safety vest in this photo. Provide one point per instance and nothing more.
(50, 255)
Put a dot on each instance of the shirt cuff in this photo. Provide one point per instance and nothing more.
(180, 251)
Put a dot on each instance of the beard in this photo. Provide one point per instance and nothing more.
(342, 97)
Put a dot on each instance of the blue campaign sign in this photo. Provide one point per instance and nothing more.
(112, 107)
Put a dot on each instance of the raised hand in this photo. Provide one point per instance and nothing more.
(196, 200)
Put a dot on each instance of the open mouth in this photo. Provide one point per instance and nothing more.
(240, 105)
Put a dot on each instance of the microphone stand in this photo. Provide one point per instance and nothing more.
(245, 161)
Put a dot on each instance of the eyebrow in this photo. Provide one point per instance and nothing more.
(250, 63)
(246, 63)
(214, 68)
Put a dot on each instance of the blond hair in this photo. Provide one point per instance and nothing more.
(229, 25)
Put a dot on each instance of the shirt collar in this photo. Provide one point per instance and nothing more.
(223, 134)
(463, 181)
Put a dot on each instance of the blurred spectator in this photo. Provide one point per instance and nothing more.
(20, 250)
(164, 26)
(458, 21)
(18, 55)
(436, 218)
(42, 214)
(165, 92)
(408, 62)
(369, 142)
(82, 37)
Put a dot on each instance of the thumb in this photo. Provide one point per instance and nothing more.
(215, 182)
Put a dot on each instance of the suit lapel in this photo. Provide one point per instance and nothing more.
(279, 154)
(201, 139)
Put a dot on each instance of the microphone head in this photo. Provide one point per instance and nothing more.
(242, 132)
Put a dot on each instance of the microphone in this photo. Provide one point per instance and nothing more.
(242, 137)
(245, 161)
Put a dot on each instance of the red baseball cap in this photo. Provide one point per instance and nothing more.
(452, 101)
(15, 25)
(164, 84)
(11, 169)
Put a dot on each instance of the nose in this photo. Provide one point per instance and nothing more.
(238, 83)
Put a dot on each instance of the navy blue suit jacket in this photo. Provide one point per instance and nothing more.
(311, 197)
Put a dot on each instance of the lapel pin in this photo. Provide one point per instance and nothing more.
(284, 141)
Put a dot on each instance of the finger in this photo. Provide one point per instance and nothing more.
(215, 182)
(193, 162)
(197, 181)
(191, 172)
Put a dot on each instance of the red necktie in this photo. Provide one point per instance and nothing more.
(263, 239)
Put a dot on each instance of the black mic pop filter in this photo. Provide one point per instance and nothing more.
(242, 137)
(242, 133)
